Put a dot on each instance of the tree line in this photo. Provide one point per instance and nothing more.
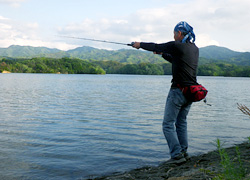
(50, 65)
(209, 69)
(79, 66)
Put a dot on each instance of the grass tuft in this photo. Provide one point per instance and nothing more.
(232, 170)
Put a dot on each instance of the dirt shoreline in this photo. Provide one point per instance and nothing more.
(205, 166)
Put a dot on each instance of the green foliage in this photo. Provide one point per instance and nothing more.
(142, 69)
(224, 69)
(112, 67)
(231, 170)
(77, 66)
(49, 65)
(211, 69)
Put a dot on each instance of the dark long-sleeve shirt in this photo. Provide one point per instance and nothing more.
(184, 58)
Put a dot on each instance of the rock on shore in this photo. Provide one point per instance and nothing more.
(6, 72)
(200, 167)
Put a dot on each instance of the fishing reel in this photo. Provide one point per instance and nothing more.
(131, 44)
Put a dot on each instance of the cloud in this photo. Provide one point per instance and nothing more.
(205, 40)
(215, 22)
(12, 29)
(26, 34)
(13, 3)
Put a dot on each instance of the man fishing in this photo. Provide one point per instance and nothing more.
(184, 55)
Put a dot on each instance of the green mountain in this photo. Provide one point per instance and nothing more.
(208, 54)
(216, 52)
(122, 55)
(222, 54)
(242, 59)
(26, 51)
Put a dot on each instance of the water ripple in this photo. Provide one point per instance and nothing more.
(75, 126)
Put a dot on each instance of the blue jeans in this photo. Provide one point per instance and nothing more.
(175, 122)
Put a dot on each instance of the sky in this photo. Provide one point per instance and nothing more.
(40, 23)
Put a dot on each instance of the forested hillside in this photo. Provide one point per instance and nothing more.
(214, 61)
(209, 54)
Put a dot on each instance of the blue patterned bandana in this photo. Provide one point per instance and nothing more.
(186, 30)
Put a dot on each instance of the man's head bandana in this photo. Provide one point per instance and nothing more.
(186, 30)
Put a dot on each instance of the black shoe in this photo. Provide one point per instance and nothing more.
(176, 160)
(186, 156)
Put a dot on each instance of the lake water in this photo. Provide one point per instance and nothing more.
(83, 126)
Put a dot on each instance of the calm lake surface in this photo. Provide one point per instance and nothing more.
(83, 126)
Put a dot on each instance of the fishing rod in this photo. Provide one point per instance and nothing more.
(72, 37)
